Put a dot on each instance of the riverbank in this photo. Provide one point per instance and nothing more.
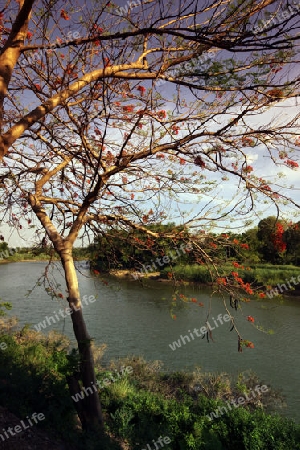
(199, 410)
(263, 276)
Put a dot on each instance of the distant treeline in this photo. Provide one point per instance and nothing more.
(272, 241)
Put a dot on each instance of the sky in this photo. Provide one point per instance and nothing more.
(227, 190)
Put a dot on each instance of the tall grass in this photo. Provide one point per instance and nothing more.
(259, 274)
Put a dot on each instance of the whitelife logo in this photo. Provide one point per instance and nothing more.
(203, 330)
(86, 391)
(283, 287)
(161, 441)
(163, 260)
(239, 402)
(19, 428)
(64, 313)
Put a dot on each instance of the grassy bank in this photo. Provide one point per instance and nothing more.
(142, 405)
(28, 256)
(260, 274)
(24, 256)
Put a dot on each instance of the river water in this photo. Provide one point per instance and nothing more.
(136, 320)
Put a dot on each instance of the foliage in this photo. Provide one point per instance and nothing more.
(4, 305)
(266, 243)
(142, 405)
(118, 249)
(270, 233)
(177, 404)
(33, 369)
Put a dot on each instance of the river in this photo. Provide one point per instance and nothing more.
(136, 320)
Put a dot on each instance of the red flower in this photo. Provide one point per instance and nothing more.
(29, 35)
(248, 289)
(98, 29)
(277, 238)
(250, 319)
(69, 69)
(292, 164)
(262, 295)
(199, 162)
(193, 300)
(249, 344)
(161, 114)
(142, 89)
(282, 154)
(96, 272)
(58, 80)
(265, 187)
(246, 246)
(247, 141)
(248, 169)
(235, 264)
(128, 108)
(106, 62)
(64, 15)
(175, 129)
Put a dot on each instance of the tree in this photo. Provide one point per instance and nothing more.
(131, 114)
(250, 237)
(120, 249)
(270, 232)
(292, 239)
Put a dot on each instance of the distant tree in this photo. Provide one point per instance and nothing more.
(3, 246)
(250, 237)
(270, 233)
(121, 249)
(292, 239)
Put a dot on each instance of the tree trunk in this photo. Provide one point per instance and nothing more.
(89, 410)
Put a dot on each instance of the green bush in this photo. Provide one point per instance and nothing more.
(138, 407)
(32, 377)
(177, 411)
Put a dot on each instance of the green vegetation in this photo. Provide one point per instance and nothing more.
(141, 406)
(262, 275)
(119, 249)
(273, 242)
(36, 253)
(263, 256)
